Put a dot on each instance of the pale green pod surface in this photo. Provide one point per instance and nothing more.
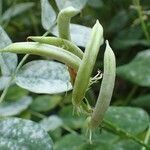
(59, 42)
(63, 24)
(63, 21)
(106, 88)
(87, 64)
(45, 50)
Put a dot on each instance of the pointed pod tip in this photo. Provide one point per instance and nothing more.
(107, 42)
(107, 45)
(98, 26)
(108, 51)
(98, 29)
(98, 23)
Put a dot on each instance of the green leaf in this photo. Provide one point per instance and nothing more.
(133, 120)
(44, 76)
(79, 142)
(48, 15)
(103, 141)
(15, 92)
(142, 101)
(56, 134)
(137, 71)
(127, 38)
(17, 9)
(79, 34)
(17, 134)
(78, 4)
(25, 115)
(95, 3)
(104, 137)
(45, 103)
(8, 61)
(114, 25)
(3, 82)
(51, 123)
(126, 145)
(75, 122)
(4, 38)
(8, 108)
(117, 145)
(67, 98)
(68, 142)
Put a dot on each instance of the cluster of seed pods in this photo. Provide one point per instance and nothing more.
(80, 65)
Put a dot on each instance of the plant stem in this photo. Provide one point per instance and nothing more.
(6, 89)
(69, 129)
(147, 137)
(144, 27)
(41, 116)
(46, 33)
(111, 127)
(21, 63)
(2, 97)
(37, 114)
(130, 95)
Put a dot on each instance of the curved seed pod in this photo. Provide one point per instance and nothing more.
(59, 42)
(87, 64)
(106, 88)
(63, 21)
(45, 50)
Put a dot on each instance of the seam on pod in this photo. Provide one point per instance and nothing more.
(87, 64)
(59, 42)
(106, 88)
(45, 50)
(63, 21)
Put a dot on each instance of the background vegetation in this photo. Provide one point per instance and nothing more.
(126, 25)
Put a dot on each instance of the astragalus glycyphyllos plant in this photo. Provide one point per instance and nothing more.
(83, 67)
(80, 66)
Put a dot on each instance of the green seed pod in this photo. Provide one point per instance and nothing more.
(63, 22)
(106, 88)
(87, 64)
(45, 50)
(59, 42)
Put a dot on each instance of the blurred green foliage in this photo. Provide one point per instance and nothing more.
(128, 39)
